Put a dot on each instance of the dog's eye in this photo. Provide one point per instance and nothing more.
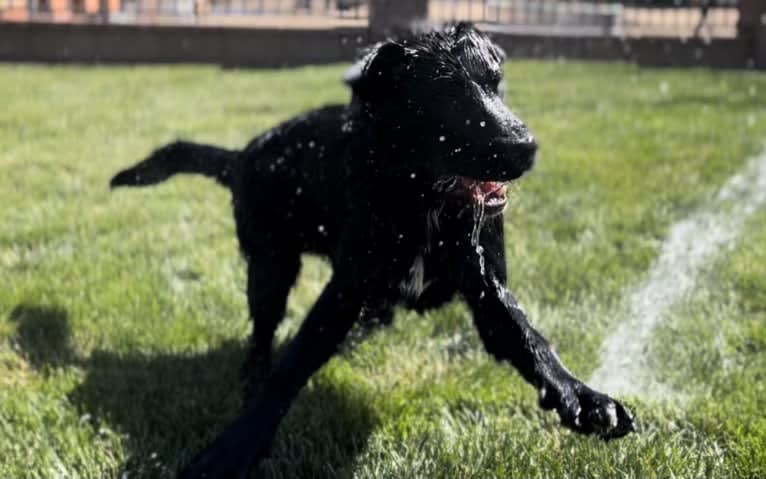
(492, 80)
(492, 86)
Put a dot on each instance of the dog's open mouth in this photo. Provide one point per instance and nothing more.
(489, 197)
(493, 194)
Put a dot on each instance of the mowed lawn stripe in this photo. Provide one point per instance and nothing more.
(692, 244)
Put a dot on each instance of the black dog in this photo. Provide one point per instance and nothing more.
(403, 191)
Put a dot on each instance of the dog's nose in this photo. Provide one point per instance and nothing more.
(531, 147)
(530, 143)
(527, 152)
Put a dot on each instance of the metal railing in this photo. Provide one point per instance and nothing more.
(705, 19)
(295, 13)
(632, 18)
(339, 8)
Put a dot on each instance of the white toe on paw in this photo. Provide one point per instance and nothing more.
(611, 414)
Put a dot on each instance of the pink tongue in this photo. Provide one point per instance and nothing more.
(484, 187)
(480, 189)
(487, 187)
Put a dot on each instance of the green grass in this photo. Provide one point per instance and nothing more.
(122, 315)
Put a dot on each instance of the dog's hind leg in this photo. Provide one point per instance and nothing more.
(270, 275)
(248, 439)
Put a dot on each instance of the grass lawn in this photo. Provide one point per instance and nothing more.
(123, 316)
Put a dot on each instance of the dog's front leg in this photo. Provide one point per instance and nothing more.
(245, 441)
(508, 336)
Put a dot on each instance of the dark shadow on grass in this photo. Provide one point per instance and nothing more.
(167, 406)
(43, 334)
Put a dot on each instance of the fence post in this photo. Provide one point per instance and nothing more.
(751, 29)
(103, 11)
(389, 16)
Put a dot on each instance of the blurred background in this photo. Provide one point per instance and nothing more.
(719, 33)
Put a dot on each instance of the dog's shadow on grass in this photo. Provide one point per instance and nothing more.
(167, 406)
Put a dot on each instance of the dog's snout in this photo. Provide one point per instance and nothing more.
(529, 145)
(519, 131)
(529, 151)
(525, 150)
(523, 141)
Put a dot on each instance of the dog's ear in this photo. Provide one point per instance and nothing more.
(376, 76)
(354, 74)
(459, 29)
(386, 57)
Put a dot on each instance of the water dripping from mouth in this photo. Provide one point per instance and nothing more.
(478, 221)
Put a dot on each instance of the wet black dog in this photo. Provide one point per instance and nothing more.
(403, 191)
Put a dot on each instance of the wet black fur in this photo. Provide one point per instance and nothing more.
(363, 185)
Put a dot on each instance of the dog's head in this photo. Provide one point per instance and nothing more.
(443, 89)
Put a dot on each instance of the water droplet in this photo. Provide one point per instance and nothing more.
(482, 124)
(442, 138)
(478, 221)
(468, 122)
(320, 228)
(413, 175)
(311, 144)
(480, 253)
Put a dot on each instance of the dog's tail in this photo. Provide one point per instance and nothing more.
(179, 157)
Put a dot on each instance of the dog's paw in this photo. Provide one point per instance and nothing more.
(587, 411)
